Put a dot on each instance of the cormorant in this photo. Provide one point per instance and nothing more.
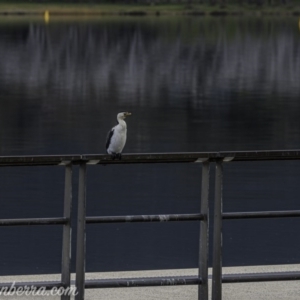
(116, 138)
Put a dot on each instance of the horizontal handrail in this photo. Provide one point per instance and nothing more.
(184, 157)
(145, 158)
(34, 221)
(261, 214)
(259, 277)
(145, 218)
(149, 281)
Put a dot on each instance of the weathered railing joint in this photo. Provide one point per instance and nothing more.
(142, 282)
(145, 218)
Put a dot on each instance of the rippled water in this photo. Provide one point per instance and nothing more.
(192, 84)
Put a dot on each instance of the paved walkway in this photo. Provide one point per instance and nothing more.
(287, 290)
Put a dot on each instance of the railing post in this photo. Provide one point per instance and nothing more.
(217, 237)
(80, 253)
(204, 234)
(67, 231)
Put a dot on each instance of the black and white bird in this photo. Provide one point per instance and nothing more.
(117, 136)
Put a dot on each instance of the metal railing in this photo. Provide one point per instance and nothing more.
(205, 158)
(219, 216)
(201, 280)
(65, 281)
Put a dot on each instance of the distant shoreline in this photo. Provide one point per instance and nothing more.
(19, 9)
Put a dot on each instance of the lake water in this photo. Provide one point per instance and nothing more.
(192, 84)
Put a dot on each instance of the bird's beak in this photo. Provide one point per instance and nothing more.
(128, 114)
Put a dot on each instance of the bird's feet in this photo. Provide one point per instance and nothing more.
(116, 156)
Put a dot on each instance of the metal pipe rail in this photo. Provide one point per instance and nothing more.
(34, 221)
(145, 218)
(261, 214)
(184, 157)
(260, 277)
(205, 158)
(200, 157)
(152, 281)
(201, 280)
(65, 221)
(217, 278)
(142, 282)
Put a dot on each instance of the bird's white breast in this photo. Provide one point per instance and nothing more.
(118, 139)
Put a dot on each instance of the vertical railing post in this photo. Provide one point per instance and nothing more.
(217, 235)
(80, 253)
(67, 231)
(204, 234)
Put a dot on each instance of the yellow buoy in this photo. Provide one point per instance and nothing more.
(46, 16)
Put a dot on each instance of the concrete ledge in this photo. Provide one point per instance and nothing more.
(287, 290)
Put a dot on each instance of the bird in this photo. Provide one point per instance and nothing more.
(117, 136)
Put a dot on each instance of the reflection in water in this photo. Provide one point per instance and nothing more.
(242, 74)
(192, 84)
(139, 59)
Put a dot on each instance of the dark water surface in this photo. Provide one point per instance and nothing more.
(192, 84)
